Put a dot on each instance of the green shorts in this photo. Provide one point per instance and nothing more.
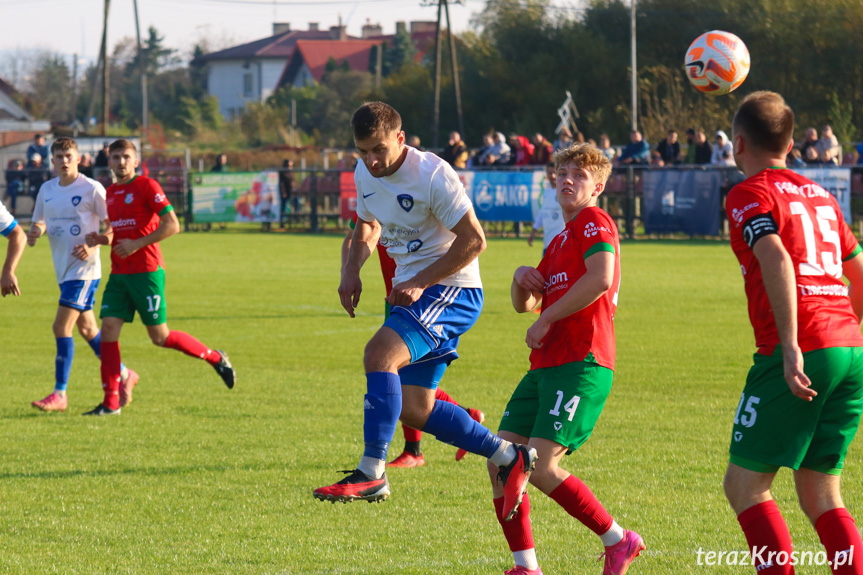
(559, 403)
(126, 293)
(773, 428)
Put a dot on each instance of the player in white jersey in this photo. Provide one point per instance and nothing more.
(550, 217)
(10, 230)
(414, 202)
(68, 208)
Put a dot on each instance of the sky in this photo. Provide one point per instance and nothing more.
(70, 27)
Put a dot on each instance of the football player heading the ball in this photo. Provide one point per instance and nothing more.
(414, 202)
(801, 404)
(141, 216)
(68, 208)
(556, 405)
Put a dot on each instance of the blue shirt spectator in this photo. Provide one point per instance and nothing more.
(637, 151)
(38, 147)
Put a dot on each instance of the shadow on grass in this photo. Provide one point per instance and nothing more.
(142, 471)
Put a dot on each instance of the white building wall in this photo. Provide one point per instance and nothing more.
(227, 80)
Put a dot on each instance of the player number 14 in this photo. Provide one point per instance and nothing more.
(570, 406)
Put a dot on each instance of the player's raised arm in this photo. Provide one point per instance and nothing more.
(168, 226)
(468, 244)
(780, 285)
(360, 245)
(8, 281)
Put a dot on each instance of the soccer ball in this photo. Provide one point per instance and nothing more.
(717, 62)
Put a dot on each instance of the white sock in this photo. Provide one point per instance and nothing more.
(526, 558)
(504, 455)
(613, 536)
(372, 466)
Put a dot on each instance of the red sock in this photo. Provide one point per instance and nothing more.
(841, 538)
(766, 532)
(517, 530)
(580, 502)
(184, 342)
(444, 396)
(411, 434)
(110, 352)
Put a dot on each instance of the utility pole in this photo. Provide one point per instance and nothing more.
(145, 113)
(634, 76)
(105, 75)
(441, 6)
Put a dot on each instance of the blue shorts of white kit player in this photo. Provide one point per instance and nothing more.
(79, 294)
(431, 327)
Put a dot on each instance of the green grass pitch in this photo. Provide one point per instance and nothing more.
(193, 478)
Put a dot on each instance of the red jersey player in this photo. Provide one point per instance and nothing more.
(801, 404)
(556, 405)
(141, 216)
(411, 455)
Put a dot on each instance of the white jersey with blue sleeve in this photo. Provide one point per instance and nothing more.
(69, 214)
(550, 216)
(417, 206)
(7, 221)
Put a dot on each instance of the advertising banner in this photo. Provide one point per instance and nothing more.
(236, 197)
(837, 181)
(504, 196)
(687, 201)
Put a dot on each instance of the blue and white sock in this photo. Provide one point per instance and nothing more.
(451, 424)
(63, 362)
(383, 405)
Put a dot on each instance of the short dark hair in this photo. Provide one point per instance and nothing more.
(766, 121)
(120, 145)
(374, 117)
(64, 144)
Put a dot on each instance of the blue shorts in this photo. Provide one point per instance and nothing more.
(79, 294)
(431, 326)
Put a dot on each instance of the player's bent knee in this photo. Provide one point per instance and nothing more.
(158, 339)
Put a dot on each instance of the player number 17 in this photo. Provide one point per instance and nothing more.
(154, 301)
(570, 406)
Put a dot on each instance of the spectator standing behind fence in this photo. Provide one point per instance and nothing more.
(455, 153)
(605, 147)
(828, 147)
(37, 174)
(669, 148)
(16, 183)
(498, 153)
(286, 190)
(637, 151)
(85, 166)
(521, 150)
(794, 159)
(564, 139)
(38, 147)
(221, 164)
(703, 149)
(414, 142)
(723, 152)
(542, 150)
(478, 159)
(810, 140)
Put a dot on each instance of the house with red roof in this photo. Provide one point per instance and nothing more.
(251, 72)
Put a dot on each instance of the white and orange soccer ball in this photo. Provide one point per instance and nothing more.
(717, 62)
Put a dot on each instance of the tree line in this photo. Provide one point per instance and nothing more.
(514, 69)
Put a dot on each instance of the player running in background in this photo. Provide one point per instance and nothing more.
(549, 219)
(801, 404)
(141, 217)
(411, 455)
(414, 202)
(556, 405)
(10, 230)
(68, 208)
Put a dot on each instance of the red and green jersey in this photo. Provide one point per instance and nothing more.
(810, 225)
(388, 264)
(134, 209)
(589, 331)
